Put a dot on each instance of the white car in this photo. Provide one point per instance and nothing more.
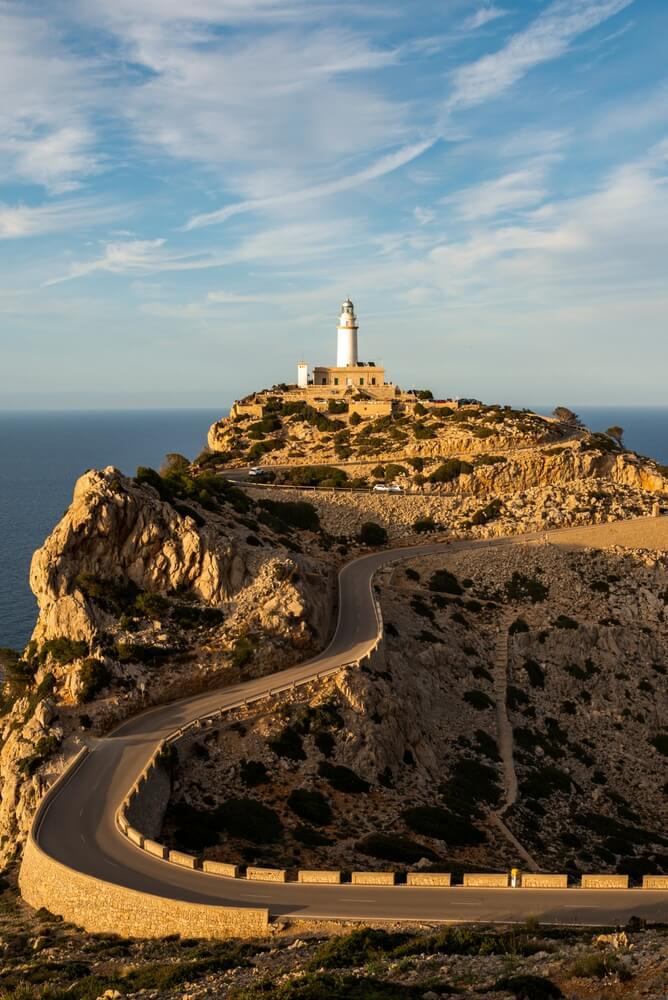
(255, 471)
(382, 488)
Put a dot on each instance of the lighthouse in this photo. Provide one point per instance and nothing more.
(346, 344)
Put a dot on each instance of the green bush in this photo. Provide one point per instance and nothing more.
(17, 673)
(253, 773)
(94, 676)
(519, 625)
(445, 582)
(174, 463)
(528, 987)
(545, 781)
(563, 621)
(424, 524)
(310, 805)
(471, 782)
(347, 951)
(151, 605)
(389, 847)
(45, 747)
(297, 514)
(137, 652)
(337, 406)
(342, 779)
(535, 673)
(372, 533)
(189, 616)
(596, 966)
(63, 650)
(525, 588)
(442, 824)
(309, 837)
(660, 743)
(478, 700)
(354, 420)
(288, 744)
(450, 470)
(243, 651)
(250, 820)
(317, 475)
(488, 513)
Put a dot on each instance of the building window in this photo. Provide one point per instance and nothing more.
(336, 381)
(361, 381)
(373, 381)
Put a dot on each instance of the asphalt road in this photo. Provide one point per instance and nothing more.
(78, 829)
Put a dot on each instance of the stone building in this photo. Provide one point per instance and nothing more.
(349, 373)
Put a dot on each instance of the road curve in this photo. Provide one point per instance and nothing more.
(77, 827)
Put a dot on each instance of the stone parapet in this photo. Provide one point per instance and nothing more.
(483, 881)
(373, 878)
(655, 881)
(429, 878)
(533, 880)
(220, 868)
(319, 877)
(135, 836)
(157, 850)
(185, 860)
(266, 874)
(605, 882)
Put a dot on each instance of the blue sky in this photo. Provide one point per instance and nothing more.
(184, 202)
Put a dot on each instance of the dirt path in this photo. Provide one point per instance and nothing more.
(505, 738)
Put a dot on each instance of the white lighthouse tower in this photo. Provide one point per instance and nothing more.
(346, 345)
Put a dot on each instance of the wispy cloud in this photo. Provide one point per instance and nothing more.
(514, 190)
(489, 12)
(547, 37)
(20, 221)
(139, 257)
(385, 165)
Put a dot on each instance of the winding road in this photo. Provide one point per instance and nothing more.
(77, 827)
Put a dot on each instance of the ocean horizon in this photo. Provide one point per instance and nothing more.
(44, 453)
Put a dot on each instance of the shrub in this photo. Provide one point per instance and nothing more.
(442, 824)
(325, 743)
(372, 533)
(595, 966)
(388, 847)
(529, 987)
(309, 837)
(488, 513)
(535, 673)
(45, 747)
(189, 616)
(487, 744)
(150, 605)
(519, 625)
(412, 574)
(354, 419)
(63, 650)
(253, 773)
(297, 514)
(660, 743)
(288, 744)
(311, 806)
(250, 820)
(443, 581)
(424, 524)
(523, 588)
(337, 406)
(450, 470)
(94, 676)
(243, 651)
(342, 778)
(346, 951)
(316, 475)
(544, 781)
(563, 621)
(471, 782)
(478, 700)
(174, 463)
(18, 673)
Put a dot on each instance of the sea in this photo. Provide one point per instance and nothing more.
(42, 454)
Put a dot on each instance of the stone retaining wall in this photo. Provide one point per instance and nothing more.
(605, 882)
(185, 860)
(533, 880)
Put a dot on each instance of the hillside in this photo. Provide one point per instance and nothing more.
(403, 767)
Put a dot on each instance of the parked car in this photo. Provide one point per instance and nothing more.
(255, 471)
(383, 488)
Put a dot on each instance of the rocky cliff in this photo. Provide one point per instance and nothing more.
(149, 588)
